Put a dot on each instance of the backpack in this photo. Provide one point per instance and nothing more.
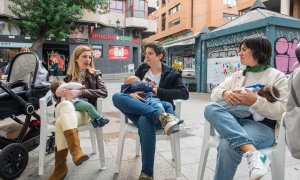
(291, 122)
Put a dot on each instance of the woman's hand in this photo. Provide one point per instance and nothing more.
(71, 94)
(247, 97)
(232, 97)
(136, 95)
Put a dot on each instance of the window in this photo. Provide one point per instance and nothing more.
(174, 22)
(163, 3)
(174, 9)
(229, 17)
(116, 5)
(7, 27)
(163, 21)
(170, 1)
(230, 2)
(137, 8)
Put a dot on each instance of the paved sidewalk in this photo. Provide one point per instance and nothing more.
(191, 141)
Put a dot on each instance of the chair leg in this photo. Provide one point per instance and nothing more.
(42, 151)
(175, 148)
(100, 144)
(277, 165)
(203, 158)
(137, 145)
(93, 140)
(121, 146)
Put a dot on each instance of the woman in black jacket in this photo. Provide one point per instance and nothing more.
(147, 118)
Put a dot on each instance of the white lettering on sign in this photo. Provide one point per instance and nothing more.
(14, 44)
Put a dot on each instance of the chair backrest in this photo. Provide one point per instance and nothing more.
(130, 68)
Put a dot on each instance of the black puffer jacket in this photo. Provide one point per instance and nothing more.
(171, 86)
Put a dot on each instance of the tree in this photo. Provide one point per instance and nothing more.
(42, 19)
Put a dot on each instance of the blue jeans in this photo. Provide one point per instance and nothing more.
(158, 104)
(145, 117)
(235, 132)
(238, 111)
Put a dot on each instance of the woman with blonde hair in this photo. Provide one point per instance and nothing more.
(81, 70)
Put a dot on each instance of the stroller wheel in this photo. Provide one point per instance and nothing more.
(13, 160)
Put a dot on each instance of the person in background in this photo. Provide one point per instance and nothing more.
(24, 49)
(245, 136)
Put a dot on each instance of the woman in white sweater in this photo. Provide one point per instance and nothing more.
(244, 137)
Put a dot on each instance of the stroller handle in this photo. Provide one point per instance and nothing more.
(29, 108)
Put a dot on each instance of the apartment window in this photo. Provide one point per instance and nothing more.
(163, 3)
(229, 17)
(174, 22)
(230, 2)
(137, 8)
(163, 21)
(116, 5)
(174, 9)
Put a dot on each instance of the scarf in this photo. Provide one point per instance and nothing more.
(257, 68)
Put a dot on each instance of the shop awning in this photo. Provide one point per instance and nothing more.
(183, 41)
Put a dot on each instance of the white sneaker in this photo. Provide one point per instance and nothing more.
(258, 164)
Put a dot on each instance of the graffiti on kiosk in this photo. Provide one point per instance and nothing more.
(285, 56)
(290, 35)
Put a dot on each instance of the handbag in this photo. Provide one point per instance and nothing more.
(291, 123)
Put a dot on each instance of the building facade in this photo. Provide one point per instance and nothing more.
(180, 22)
(114, 32)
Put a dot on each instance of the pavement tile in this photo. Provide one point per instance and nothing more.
(191, 141)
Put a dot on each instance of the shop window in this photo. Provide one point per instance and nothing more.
(174, 22)
(163, 21)
(174, 9)
(116, 5)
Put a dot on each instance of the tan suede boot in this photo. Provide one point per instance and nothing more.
(74, 146)
(61, 168)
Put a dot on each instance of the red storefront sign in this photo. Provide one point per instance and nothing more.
(118, 53)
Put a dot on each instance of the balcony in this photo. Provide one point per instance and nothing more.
(134, 22)
(4, 10)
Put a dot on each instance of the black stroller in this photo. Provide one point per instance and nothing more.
(26, 83)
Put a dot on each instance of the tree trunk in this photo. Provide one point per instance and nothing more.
(37, 44)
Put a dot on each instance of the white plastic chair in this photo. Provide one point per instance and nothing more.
(126, 126)
(47, 127)
(276, 152)
(130, 68)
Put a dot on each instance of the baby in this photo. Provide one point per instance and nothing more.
(134, 84)
(244, 111)
(79, 104)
